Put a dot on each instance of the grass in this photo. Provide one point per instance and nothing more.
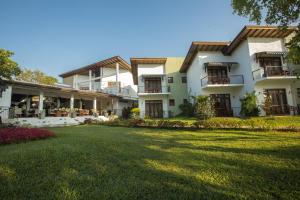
(278, 121)
(99, 162)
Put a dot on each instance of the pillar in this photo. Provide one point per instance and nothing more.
(117, 72)
(41, 101)
(90, 79)
(72, 101)
(58, 102)
(27, 103)
(80, 104)
(75, 85)
(95, 104)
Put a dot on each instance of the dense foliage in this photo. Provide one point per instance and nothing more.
(257, 123)
(204, 107)
(36, 76)
(8, 67)
(135, 112)
(282, 12)
(19, 134)
(126, 111)
(249, 106)
(187, 109)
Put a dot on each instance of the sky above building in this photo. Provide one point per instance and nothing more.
(59, 35)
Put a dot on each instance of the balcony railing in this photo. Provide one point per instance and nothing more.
(271, 71)
(105, 88)
(219, 80)
(162, 89)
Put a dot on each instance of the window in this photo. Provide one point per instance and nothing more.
(270, 61)
(298, 92)
(183, 79)
(170, 79)
(171, 102)
(185, 101)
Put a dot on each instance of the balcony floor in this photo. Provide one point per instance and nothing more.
(275, 78)
(222, 85)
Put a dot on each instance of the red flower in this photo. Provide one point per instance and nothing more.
(18, 134)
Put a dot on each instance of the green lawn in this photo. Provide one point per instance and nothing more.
(99, 162)
(277, 121)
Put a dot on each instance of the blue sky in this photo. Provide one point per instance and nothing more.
(59, 35)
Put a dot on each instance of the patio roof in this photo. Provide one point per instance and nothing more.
(52, 88)
(103, 63)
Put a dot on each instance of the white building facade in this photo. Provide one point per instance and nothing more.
(252, 62)
(149, 75)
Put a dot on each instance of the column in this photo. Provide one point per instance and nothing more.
(75, 85)
(27, 103)
(41, 101)
(80, 104)
(117, 108)
(95, 104)
(90, 79)
(58, 102)
(117, 72)
(72, 101)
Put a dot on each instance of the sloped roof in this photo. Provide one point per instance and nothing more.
(103, 63)
(135, 61)
(228, 47)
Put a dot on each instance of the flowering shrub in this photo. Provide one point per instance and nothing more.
(19, 134)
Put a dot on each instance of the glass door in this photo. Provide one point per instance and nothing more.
(279, 101)
(154, 108)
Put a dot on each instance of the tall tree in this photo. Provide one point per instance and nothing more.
(8, 67)
(36, 76)
(278, 12)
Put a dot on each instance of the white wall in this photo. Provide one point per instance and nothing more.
(151, 69)
(263, 44)
(5, 102)
(245, 56)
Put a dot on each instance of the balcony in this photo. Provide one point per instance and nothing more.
(273, 73)
(142, 90)
(111, 87)
(225, 81)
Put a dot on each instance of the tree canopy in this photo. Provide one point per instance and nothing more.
(36, 76)
(8, 67)
(273, 12)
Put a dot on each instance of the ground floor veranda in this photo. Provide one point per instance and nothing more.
(22, 100)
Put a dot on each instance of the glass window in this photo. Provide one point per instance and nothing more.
(171, 102)
(185, 101)
(298, 92)
(183, 79)
(170, 79)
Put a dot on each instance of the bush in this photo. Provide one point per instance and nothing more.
(90, 121)
(19, 134)
(204, 106)
(135, 112)
(215, 123)
(136, 122)
(126, 111)
(188, 109)
(249, 106)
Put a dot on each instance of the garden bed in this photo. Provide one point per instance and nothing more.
(257, 123)
(19, 134)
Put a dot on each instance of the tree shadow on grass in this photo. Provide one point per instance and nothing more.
(114, 163)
